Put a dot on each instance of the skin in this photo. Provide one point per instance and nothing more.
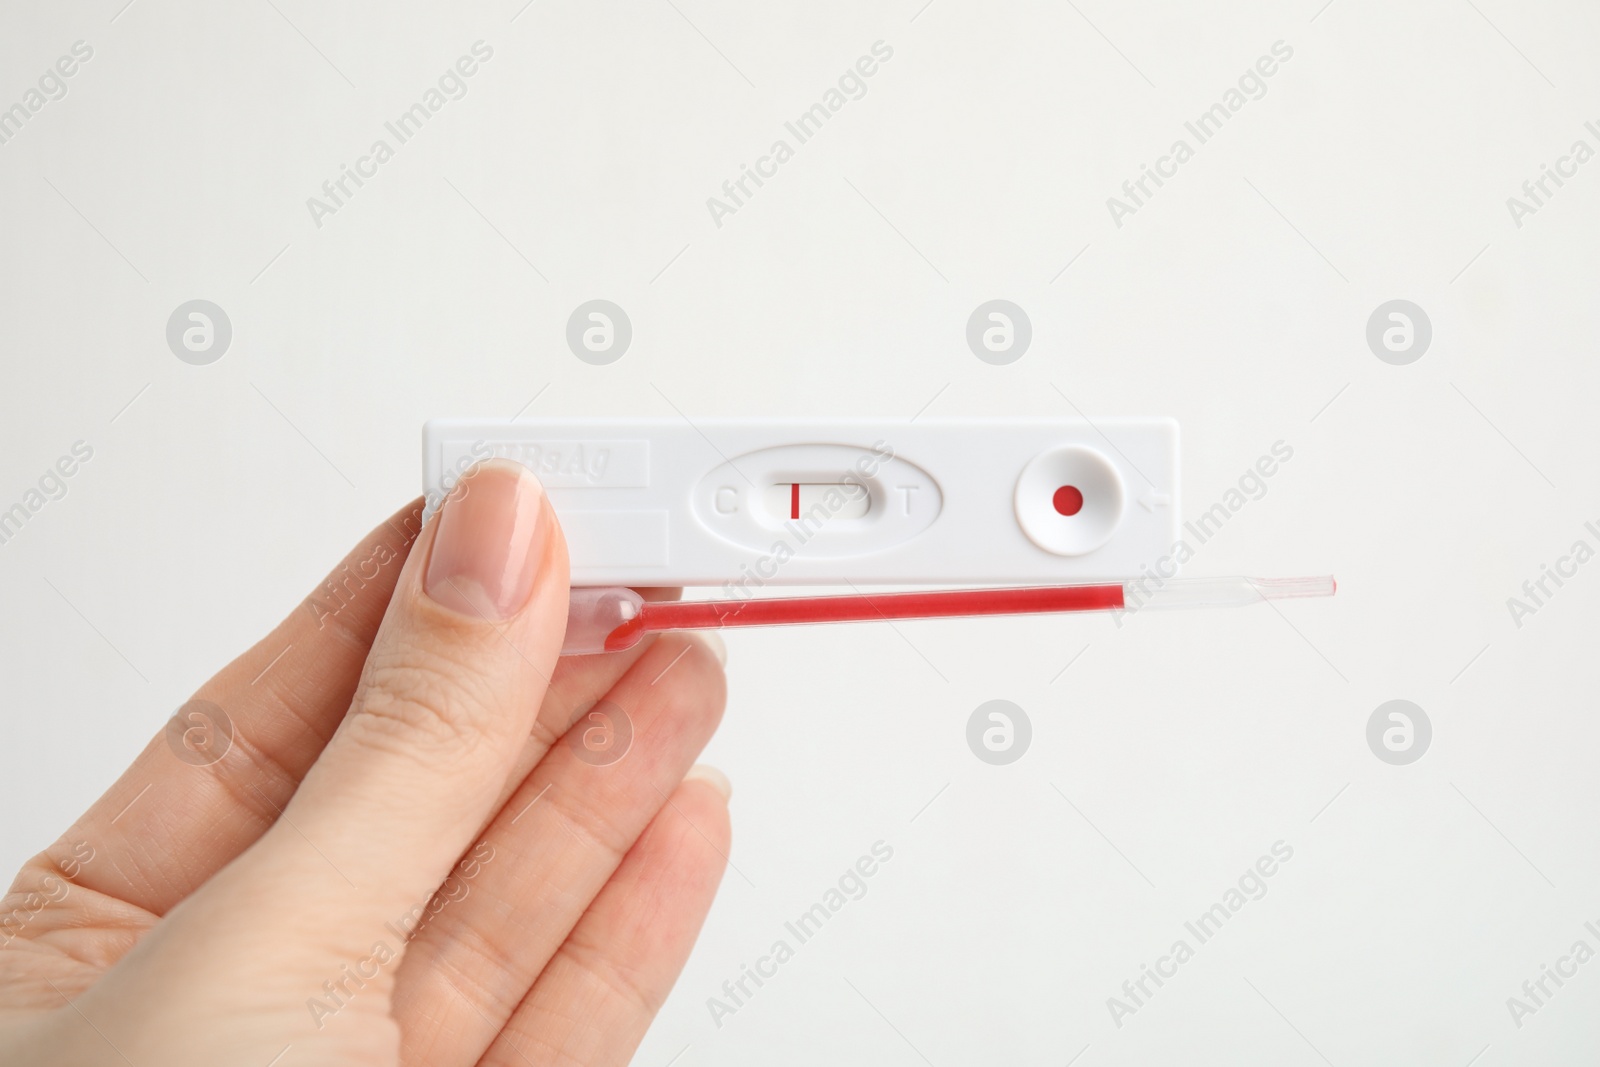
(399, 759)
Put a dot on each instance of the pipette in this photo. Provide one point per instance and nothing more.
(613, 618)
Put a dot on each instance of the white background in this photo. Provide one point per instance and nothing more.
(1172, 752)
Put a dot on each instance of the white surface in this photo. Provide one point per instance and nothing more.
(666, 502)
(978, 165)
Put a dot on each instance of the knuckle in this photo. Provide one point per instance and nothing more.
(615, 978)
(254, 778)
(598, 832)
(414, 693)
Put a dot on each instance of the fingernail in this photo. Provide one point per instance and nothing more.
(491, 540)
(704, 772)
(714, 644)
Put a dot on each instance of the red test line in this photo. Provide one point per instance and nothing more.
(794, 500)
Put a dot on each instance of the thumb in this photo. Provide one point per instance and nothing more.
(446, 702)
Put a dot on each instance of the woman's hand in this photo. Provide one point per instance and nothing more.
(398, 830)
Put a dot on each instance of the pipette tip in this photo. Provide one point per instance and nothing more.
(1291, 588)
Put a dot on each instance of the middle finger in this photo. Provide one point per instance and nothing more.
(493, 926)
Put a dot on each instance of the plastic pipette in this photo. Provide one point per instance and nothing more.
(612, 618)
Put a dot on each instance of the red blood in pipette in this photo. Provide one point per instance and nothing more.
(656, 616)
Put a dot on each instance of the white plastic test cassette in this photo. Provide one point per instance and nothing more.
(819, 502)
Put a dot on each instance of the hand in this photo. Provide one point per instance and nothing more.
(403, 839)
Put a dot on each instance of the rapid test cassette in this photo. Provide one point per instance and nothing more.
(753, 502)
